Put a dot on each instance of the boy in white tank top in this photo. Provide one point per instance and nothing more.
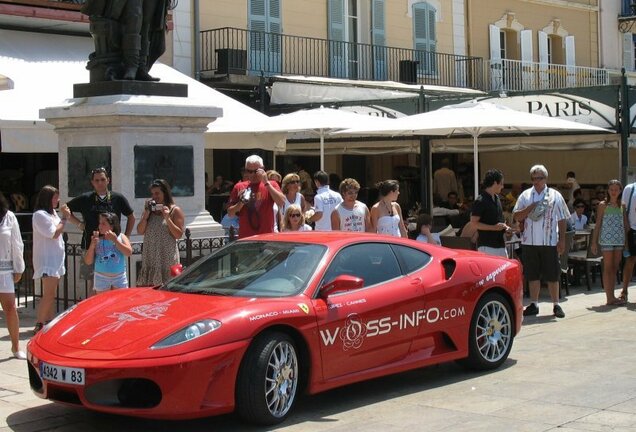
(350, 214)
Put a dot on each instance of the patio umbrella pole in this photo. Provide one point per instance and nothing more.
(476, 166)
(322, 150)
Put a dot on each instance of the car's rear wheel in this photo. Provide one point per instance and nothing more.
(268, 379)
(491, 333)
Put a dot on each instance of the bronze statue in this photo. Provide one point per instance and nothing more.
(129, 37)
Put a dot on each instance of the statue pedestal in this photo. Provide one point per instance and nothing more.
(140, 138)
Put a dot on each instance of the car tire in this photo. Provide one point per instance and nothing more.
(491, 333)
(268, 379)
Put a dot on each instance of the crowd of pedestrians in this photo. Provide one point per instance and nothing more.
(265, 202)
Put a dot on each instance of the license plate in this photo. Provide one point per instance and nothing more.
(62, 374)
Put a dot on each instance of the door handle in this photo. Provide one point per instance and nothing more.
(416, 281)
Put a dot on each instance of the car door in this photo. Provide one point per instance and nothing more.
(368, 327)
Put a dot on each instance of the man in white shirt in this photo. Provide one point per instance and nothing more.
(629, 203)
(578, 219)
(324, 202)
(544, 213)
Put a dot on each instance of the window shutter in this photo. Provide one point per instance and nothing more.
(544, 78)
(496, 67)
(379, 40)
(527, 57)
(424, 32)
(335, 15)
(526, 46)
(628, 51)
(570, 51)
(264, 48)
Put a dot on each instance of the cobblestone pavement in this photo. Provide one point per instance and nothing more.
(574, 374)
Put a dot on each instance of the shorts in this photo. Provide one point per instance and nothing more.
(6, 284)
(493, 251)
(609, 248)
(541, 262)
(102, 282)
(631, 242)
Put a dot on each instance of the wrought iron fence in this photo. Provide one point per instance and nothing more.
(230, 50)
(74, 288)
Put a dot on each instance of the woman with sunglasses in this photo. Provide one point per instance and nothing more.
(294, 219)
(609, 234)
(162, 224)
(291, 189)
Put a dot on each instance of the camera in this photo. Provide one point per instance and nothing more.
(246, 195)
(153, 206)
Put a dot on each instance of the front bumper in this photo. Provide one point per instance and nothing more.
(191, 385)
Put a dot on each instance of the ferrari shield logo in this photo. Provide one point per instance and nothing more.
(303, 307)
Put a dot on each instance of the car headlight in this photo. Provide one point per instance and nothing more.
(188, 333)
(57, 319)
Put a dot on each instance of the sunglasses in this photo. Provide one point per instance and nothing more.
(295, 215)
(251, 171)
(99, 170)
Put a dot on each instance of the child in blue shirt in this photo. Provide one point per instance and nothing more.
(109, 250)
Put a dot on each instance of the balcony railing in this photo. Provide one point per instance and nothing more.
(245, 52)
(515, 75)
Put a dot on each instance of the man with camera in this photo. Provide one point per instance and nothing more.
(91, 204)
(253, 200)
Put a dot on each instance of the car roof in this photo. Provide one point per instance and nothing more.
(331, 239)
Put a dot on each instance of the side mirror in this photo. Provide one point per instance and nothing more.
(341, 283)
(175, 270)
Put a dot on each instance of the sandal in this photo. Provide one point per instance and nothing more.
(615, 302)
(37, 328)
(623, 296)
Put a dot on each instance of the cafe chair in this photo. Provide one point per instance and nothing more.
(590, 261)
(564, 260)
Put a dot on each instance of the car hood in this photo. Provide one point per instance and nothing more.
(127, 323)
(109, 322)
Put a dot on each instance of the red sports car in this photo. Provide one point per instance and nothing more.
(250, 326)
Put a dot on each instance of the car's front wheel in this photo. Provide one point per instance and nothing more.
(268, 379)
(491, 333)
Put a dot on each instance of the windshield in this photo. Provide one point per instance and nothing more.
(252, 269)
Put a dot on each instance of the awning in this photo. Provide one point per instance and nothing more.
(459, 145)
(39, 71)
(293, 89)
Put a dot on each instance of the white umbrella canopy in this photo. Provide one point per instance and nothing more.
(324, 122)
(472, 118)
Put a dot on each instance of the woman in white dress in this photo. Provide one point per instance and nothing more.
(48, 250)
(386, 214)
(294, 219)
(11, 269)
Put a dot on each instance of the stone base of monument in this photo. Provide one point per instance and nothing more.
(118, 87)
(138, 139)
